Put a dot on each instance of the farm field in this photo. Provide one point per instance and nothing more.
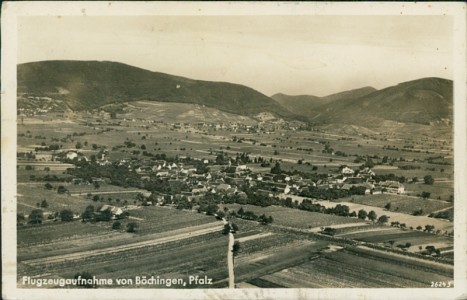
(173, 243)
(167, 260)
(176, 222)
(76, 246)
(356, 268)
(400, 203)
(441, 189)
(409, 220)
(290, 217)
(398, 236)
(32, 193)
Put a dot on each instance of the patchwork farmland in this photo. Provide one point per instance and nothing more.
(148, 192)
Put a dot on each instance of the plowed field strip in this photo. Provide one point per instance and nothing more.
(114, 240)
(173, 236)
(253, 237)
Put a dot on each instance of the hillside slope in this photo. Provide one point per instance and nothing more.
(420, 101)
(84, 85)
(307, 105)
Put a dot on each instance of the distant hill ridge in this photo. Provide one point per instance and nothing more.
(422, 101)
(85, 85)
(307, 104)
(89, 84)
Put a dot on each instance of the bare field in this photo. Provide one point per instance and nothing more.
(415, 238)
(356, 268)
(178, 243)
(290, 217)
(400, 203)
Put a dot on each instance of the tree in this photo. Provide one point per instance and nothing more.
(241, 211)
(236, 248)
(66, 215)
(78, 145)
(95, 198)
(48, 186)
(329, 231)
(131, 227)
(116, 225)
(362, 214)
(425, 195)
(276, 169)
(428, 179)
(20, 218)
(125, 215)
(226, 228)
(388, 206)
(44, 204)
(88, 213)
(105, 215)
(36, 216)
(265, 220)
(61, 190)
(383, 219)
(211, 209)
(220, 214)
(233, 228)
(372, 215)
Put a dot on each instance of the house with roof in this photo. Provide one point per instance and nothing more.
(393, 187)
(44, 156)
(366, 173)
(71, 155)
(223, 187)
(116, 211)
(347, 171)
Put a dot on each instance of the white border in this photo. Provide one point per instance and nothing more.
(12, 10)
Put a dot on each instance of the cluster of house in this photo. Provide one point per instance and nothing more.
(30, 106)
(226, 180)
(216, 179)
(346, 180)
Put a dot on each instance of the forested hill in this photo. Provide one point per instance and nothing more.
(85, 85)
(421, 101)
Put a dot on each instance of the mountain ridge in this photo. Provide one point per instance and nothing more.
(90, 84)
(423, 101)
(85, 85)
(308, 104)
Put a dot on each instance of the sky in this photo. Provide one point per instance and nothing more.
(290, 54)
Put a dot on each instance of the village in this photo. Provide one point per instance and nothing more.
(122, 172)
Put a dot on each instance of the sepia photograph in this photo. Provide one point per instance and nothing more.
(191, 150)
